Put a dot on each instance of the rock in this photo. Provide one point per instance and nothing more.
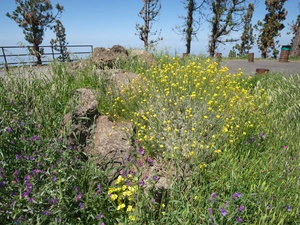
(142, 56)
(80, 120)
(108, 58)
(112, 141)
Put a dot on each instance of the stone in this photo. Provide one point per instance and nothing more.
(142, 56)
(104, 58)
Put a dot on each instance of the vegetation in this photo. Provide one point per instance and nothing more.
(270, 28)
(34, 16)
(226, 18)
(231, 141)
(148, 13)
(247, 37)
(60, 43)
(191, 25)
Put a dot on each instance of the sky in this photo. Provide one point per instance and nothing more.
(104, 23)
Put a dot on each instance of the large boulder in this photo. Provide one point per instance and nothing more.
(105, 58)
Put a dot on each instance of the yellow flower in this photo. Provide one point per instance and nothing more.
(202, 165)
(129, 208)
(121, 206)
(132, 218)
(218, 151)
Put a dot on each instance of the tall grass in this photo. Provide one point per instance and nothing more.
(230, 142)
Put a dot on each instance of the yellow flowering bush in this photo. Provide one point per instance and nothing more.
(195, 109)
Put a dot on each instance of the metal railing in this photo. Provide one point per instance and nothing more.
(7, 55)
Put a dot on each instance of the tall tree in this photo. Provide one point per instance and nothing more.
(34, 16)
(60, 43)
(148, 13)
(247, 38)
(225, 19)
(295, 30)
(191, 24)
(270, 28)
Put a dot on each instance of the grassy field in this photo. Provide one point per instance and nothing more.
(231, 141)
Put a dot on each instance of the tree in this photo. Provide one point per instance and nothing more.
(225, 19)
(34, 16)
(148, 13)
(191, 25)
(60, 43)
(295, 30)
(247, 38)
(270, 28)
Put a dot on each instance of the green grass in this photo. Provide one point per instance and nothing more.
(230, 143)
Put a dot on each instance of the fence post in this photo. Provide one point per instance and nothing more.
(52, 52)
(6, 65)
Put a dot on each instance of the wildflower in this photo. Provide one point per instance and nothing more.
(58, 219)
(262, 136)
(141, 150)
(241, 208)
(213, 196)
(99, 216)
(2, 184)
(121, 206)
(155, 178)
(289, 208)
(54, 178)
(47, 213)
(140, 164)
(239, 220)
(9, 129)
(132, 218)
(141, 183)
(35, 138)
(78, 197)
(81, 205)
(209, 210)
(30, 199)
(236, 195)
(76, 189)
(223, 211)
(268, 207)
(129, 208)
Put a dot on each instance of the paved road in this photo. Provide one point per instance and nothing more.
(274, 66)
(249, 68)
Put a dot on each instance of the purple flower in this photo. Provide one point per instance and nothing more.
(30, 199)
(54, 178)
(149, 161)
(53, 201)
(2, 184)
(99, 216)
(17, 157)
(57, 219)
(268, 207)
(141, 150)
(262, 136)
(47, 213)
(31, 158)
(288, 208)
(209, 210)
(35, 138)
(26, 194)
(76, 189)
(239, 220)
(213, 196)
(78, 197)
(241, 208)
(223, 211)
(81, 205)
(141, 183)
(140, 164)
(155, 178)
(137, 142)
(236, 195)
(252, 139)
(9, 130)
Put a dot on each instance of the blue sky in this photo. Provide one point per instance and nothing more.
(104, 23)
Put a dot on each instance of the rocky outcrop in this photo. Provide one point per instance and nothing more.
(105, 58)
(142, 56)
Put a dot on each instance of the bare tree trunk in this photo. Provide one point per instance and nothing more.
(295, 50)
(189, 30)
